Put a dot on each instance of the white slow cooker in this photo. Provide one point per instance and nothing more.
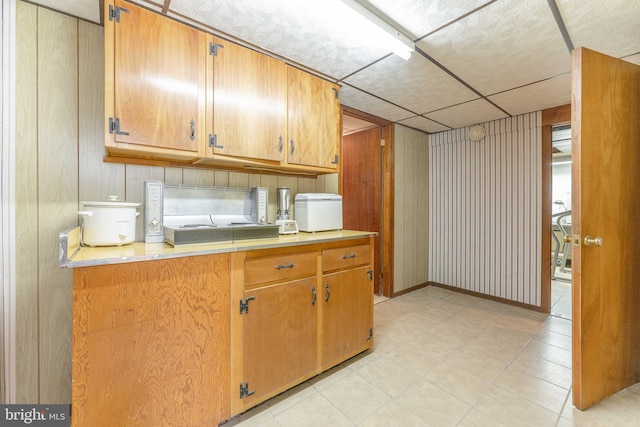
(108, 223)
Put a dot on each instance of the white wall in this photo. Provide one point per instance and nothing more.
(561, 186)
(485, 209)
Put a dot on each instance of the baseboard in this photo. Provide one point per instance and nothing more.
(411, 289)
(485, 296)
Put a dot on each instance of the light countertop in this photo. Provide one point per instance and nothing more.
(140, 251)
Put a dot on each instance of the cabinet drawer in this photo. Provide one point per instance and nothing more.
(348, 257)
(279, 268)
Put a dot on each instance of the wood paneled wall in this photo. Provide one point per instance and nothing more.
(411, 209)
(59, 143)
(485, 209)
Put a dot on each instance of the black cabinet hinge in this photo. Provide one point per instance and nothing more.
(114, 127)
(213, 48)
(244, 390)
(335, 91)
(213, 141)
(244, 305)
(114, 12)
(370, 273)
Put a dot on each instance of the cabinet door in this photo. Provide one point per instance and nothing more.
(249, 103)
(158, 83)
(313, 120)
(280, 338)
(347, 314)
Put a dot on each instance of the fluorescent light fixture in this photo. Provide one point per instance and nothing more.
(561, 163)
(380, 31)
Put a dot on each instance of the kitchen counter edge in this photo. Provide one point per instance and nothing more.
(72, 255)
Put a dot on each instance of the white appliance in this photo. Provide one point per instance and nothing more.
(109, 223)
(318, 211)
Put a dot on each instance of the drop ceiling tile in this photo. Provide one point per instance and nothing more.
(416, 84)
(291, 29)
(467, 114)
(538, 96)
(505, 45)
(354, 98)
(609, 27)
(423, 124)
(352, 125)
(634, 59)
(420, 17)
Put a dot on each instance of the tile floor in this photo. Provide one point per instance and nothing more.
(561, 299)
(442, 358)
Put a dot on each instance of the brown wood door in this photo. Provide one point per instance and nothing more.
(362, 188)
(250, 103)
(347, 316)
(314, 126)
(280, 338)
(159, 81)
(606, 205)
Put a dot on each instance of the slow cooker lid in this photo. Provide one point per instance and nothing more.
(112, 202)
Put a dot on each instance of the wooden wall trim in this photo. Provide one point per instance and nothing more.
(545, 274)
(556, 115)
(352, 112)
(550, 117)
(388, 194)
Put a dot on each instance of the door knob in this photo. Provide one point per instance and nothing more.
(595, 241)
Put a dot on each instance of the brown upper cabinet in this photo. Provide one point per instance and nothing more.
(269, 113)
(314, 126)
(175, 93)
(248, 108)
(155, 85)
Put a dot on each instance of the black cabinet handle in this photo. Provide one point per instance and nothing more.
(313, 291)
(326, 286)
(290, 265)
(347, 256)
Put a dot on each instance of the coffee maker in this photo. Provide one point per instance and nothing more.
(283, 218)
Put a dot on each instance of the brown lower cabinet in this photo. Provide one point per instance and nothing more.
(296, 329)
(151, 343)
(198, 339)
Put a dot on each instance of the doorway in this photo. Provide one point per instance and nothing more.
(365, 185)
(561, 221)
